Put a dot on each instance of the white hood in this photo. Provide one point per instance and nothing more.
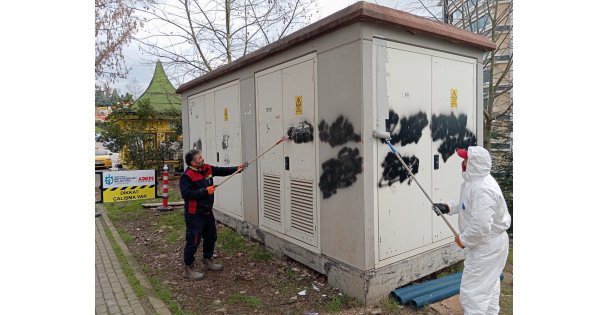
(479, 162)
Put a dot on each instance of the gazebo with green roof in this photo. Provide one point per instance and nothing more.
(167, 104)
(161, 92)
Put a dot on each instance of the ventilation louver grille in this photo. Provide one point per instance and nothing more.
(302, 217)
(272, 198)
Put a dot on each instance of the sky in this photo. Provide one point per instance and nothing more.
(46, 130)
(142, 71)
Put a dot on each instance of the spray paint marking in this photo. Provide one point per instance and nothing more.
(394, 170)
(225, 139)
(340, 172)
(198, 145)
(410, 130)
(340, 132)
(453, 132)
(301, 132)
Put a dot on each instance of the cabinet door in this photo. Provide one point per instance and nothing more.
(209, 149)
(228, 132)
(269, 105)
(196, 120)
(299, 111)
(404, 211)
(454, 104)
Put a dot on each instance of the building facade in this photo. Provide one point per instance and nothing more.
(493, 19)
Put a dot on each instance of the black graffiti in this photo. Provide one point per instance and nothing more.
(302, 132)
(410, 130)
(340, 172)
(340, 132)
(453, 133)
(395, 171)
(198, 145)
(225, 139)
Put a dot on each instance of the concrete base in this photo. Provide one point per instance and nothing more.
(368, 286)
(164, 209)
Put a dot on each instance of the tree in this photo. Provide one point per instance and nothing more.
(193, 37)
(134, 88)
(492, 19)
(133, 129)
(115, 26)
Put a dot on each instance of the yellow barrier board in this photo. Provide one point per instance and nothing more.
(128, 193)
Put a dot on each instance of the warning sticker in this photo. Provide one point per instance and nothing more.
(118, 194)
(299, 105)
(454, 98)
(225, 113)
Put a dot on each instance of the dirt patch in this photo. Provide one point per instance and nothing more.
(252, 281)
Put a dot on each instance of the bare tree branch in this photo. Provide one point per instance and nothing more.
(197, 36)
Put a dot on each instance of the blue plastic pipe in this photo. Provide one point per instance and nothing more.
(404, 293)
(435, 296)
(405, 297)
(443, 293)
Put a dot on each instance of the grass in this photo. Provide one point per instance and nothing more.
(340, 302)
(259, 253)
(390, 305)
(458, 267)
(291, 274)
(164, 294)
(173, 236)
(126, 237)
(506, 291)
(129, 210)
(334, 305)
(239, 298)
(231, 242)
(174, 222)
(173, 219)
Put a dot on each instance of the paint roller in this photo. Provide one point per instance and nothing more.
(386, 137)
(300, 132)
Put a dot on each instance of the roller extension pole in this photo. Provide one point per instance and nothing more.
(257, 157)
(414, 177)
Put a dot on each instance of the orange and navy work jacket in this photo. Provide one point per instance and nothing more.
(193, 186)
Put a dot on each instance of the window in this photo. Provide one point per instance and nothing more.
(504, 28)
(482, 22)
(502, 88)
(486, 75)
(502, 58)
(507, 117)
(501, 146)
(456, 16)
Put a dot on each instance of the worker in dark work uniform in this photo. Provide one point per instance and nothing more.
(196, 186)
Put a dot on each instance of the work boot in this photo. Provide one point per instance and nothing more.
(191, 274)
(209, 265)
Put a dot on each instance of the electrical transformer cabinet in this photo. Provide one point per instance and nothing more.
(338, 200)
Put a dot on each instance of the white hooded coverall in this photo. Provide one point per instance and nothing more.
(483, 222)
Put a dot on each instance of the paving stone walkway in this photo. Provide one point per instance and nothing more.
(113, 293)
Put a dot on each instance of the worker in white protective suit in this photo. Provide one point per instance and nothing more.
(483, 222)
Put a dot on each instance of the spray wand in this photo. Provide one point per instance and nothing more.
(386, 137)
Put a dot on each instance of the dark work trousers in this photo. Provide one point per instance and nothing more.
(197, 227)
